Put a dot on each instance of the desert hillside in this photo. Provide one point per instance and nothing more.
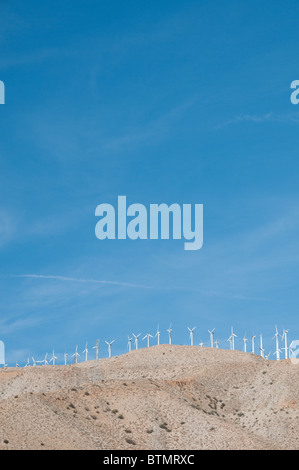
(164, 397)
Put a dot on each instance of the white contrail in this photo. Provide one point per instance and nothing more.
(73, 279)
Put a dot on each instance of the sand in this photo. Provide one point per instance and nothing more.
(164, 397)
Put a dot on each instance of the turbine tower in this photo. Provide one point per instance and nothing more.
(148, 336)
(233, 336)
(76, 355)
(34, 361)
(285, 338)
(261, 346)
(277, 350)
(252, 344)
(130, 343)
(245, 341)
(136, 340)
(45, 361)
(109, 347)
(212, 337)
(96, 347)
(65, 358)
(53, 358)
(191, 330)
(217, 344)
(86, 351)
(157, 335)
(169, 333)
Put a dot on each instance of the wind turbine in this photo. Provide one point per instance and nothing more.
(169, 333)
(233, 336)
(252, 344)
(86, 351)
(34, 361)
(158, 335)
(96, 347)
(76, 355)
(28, 362)
(109, 347)
(53, 358)
(65, 358)
(285, 338)
(245, 341)
(201, 344)
(293, 350)
(136, 340)
(230, 342)
(217, 344)
(212, 337)
(148, 336)
(130, 343)
(45, 360)
(191, 330)
(17, 365)
(261, 346)
(277, 351)
(267, 356)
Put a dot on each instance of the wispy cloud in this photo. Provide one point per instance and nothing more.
(152, 131)
(80, 280)
(9, 326)
(21, 229)
(248, 118)
(262, 118)
(7, 228)
(170, 287)
(33, 58)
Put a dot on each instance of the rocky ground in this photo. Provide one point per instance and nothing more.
(164, 397)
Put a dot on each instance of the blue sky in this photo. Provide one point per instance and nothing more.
(169, 101)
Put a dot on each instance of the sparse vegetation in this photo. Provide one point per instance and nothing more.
(130, 441)
(164, 426)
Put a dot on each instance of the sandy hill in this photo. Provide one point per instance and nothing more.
(164, 397)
